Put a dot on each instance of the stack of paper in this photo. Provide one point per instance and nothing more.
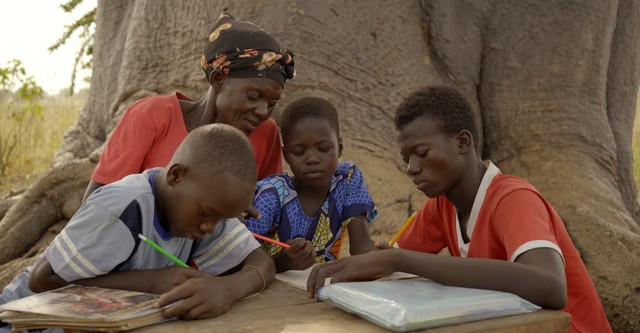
(404, 305)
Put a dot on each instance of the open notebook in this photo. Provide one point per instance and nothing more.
(298, 279)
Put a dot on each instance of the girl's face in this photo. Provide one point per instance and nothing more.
(434, 158)
(245, 103)
(312, 148)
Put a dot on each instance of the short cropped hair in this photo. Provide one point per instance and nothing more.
(440, 103)
(220, 147)
(308, 107)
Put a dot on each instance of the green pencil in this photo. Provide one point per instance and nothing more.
(163, 251)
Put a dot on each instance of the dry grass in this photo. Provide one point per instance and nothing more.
(40, 142)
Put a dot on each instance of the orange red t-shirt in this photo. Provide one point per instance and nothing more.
(152, 129)
(509, 217)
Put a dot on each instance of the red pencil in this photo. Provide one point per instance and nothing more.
(267, 239)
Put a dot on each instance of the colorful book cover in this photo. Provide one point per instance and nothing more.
(80, 302)
(83, 308)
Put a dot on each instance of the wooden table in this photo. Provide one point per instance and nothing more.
(282, 308)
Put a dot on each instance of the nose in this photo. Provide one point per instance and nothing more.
(412, 167)
(312, 159)
(262, 110)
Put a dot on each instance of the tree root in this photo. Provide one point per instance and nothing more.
(52, 198)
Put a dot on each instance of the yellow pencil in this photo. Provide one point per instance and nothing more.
(404, 227)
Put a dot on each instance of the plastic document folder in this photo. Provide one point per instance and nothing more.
(405, 305)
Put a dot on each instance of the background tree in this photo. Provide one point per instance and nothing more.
(85, 26)
(554, 85)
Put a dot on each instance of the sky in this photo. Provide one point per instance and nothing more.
(28, 28)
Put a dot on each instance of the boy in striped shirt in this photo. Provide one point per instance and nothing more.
(187, 208)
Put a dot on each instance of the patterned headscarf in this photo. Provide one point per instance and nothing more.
(242, 49)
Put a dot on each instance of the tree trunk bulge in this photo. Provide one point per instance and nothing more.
(554, 85)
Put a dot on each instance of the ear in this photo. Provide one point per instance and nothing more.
(175, 173)
(215, 79)
(465, 141)
(340, 147)
(207, 227)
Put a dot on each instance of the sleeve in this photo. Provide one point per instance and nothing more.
(225, 248)
(267, 148)
(357, 198)
(425, 233)
(523, 223)
(93, 243)
(267, 202)
(128, 145)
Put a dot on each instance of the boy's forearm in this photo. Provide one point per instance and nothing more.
(258, 272)
(43, 278)
(531, 283)
(139, 280)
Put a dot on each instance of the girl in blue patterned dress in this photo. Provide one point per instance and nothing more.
(324, 200)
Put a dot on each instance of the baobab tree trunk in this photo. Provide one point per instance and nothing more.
(554, 85)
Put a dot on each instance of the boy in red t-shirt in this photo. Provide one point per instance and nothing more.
(501, 233)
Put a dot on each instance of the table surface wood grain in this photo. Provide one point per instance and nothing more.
(283, 308)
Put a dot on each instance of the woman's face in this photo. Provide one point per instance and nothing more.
(245, 103)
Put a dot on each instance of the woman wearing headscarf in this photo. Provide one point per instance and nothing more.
(246, 70)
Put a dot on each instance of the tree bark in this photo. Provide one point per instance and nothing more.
(554, 85)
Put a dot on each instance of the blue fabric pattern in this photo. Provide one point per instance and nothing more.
(282, 217)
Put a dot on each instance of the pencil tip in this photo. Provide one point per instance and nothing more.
(141, 236)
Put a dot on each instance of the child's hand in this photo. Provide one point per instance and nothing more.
(363, 267)
(172, 276)
(200, 298)
(382, 245)
(248, 213)
(300, 255)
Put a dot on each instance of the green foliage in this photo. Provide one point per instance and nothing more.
(86, 28)
(19, 108)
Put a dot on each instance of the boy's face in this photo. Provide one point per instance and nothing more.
(198, 199)
(435, 160)
(245, 103)
(312, 148)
